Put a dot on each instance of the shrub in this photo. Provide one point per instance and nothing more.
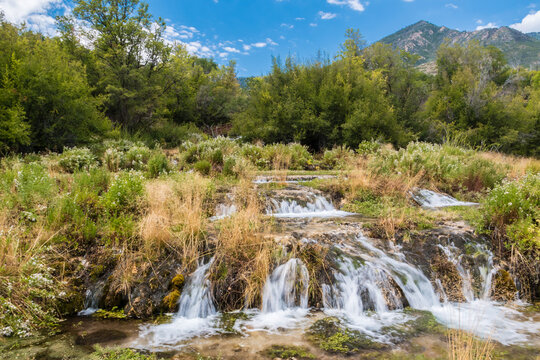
(112, 158)
(136, 157)
(157, 165)
(75, 159)
(368, 147)
(27, 185)
(203, 167)
(338, 158)
(124, 192)
(229, 167)
(513, 209)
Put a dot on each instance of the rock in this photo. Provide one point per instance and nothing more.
(503, 288)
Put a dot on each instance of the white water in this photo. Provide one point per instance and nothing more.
(285, 299)
(318, 207)
(196, 315)
(483, 317)
(224, 211)
(433, 200)
(90, 304)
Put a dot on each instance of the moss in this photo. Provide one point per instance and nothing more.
(423, 323)
(121, 354)
(288, 352)
(97, 271)
(449, 276)
(332, 336)
(170, 301)
(504, 288)
(178, 282)
(227, 320)
(114, 313)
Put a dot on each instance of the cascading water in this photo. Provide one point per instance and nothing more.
(433, 200)
(195, 317)
(466, 279)
(285, 298)
(318, 206)
(224, 211)
(355, 283)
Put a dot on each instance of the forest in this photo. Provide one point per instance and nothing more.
(117, 77)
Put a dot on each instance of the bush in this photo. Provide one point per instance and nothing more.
(75, 159)
(124, 192)
(229, 167)
(368, 147)
(450, 168)
(513, 208)
(157, 165)
(136, 157)
(203, 167)
(25, 185)
(339, 157)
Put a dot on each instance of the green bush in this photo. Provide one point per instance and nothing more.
(368, 147)
(451, 168)
(229, 167)
(26, 185)
(124, 192)
(136, 157)
(75, 159)
(338, 158)
(157, 165)
(203, 166)
(513, 208)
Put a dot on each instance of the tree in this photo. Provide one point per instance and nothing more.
(131, 56)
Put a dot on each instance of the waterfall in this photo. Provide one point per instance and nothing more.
(196, 300)
(317, 207)
(433, 200)
(452, 255)
(224, 211)
(90, 304)
(287, 287)
(285, 299)
(196, 315)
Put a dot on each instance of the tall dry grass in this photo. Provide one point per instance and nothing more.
(518, 166)
(463, 345)
(175, 216)
(242, 244)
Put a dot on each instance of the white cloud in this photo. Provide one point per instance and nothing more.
(326, 16)
(451, 6)
(353, 4)
(259, 44)
(479, 21)
(489, 25)
(300, 19)
(246, 47)
(287, 26)
(313, 25)
(231, 49)
(33, 12)
(530, 23)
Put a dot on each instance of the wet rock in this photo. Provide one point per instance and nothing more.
(504, 288)
(100, 337)
(286, 352)
(332, 336)
(449, 277)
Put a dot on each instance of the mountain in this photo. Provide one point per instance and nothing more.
(424, 38)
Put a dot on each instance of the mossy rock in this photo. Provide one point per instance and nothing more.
(178, 282)
(332, 336)
(449, 276)
(114, 313)
(423, 323)
(288, 352)
(170, 302)
(504, 288)
(227, 320)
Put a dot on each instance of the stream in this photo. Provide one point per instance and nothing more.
(376, 287)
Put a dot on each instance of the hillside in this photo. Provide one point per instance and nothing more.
(424, 38)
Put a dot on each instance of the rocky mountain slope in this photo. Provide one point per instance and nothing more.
(424, 38)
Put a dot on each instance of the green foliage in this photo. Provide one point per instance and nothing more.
(339, 157)
(124, 192)
(158, 165)
(76, 159)
(114, 313)
(289, 352)
(120, 354)
(25, 186)
(451, 168)
(513, 207)
(203, 166)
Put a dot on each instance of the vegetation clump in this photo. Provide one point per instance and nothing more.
(288, 352)
(332, 336)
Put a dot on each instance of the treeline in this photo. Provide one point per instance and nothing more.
(110, 73)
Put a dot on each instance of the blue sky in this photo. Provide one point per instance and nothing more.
(252, 31)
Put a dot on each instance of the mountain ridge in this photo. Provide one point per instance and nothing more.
(424, 39)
